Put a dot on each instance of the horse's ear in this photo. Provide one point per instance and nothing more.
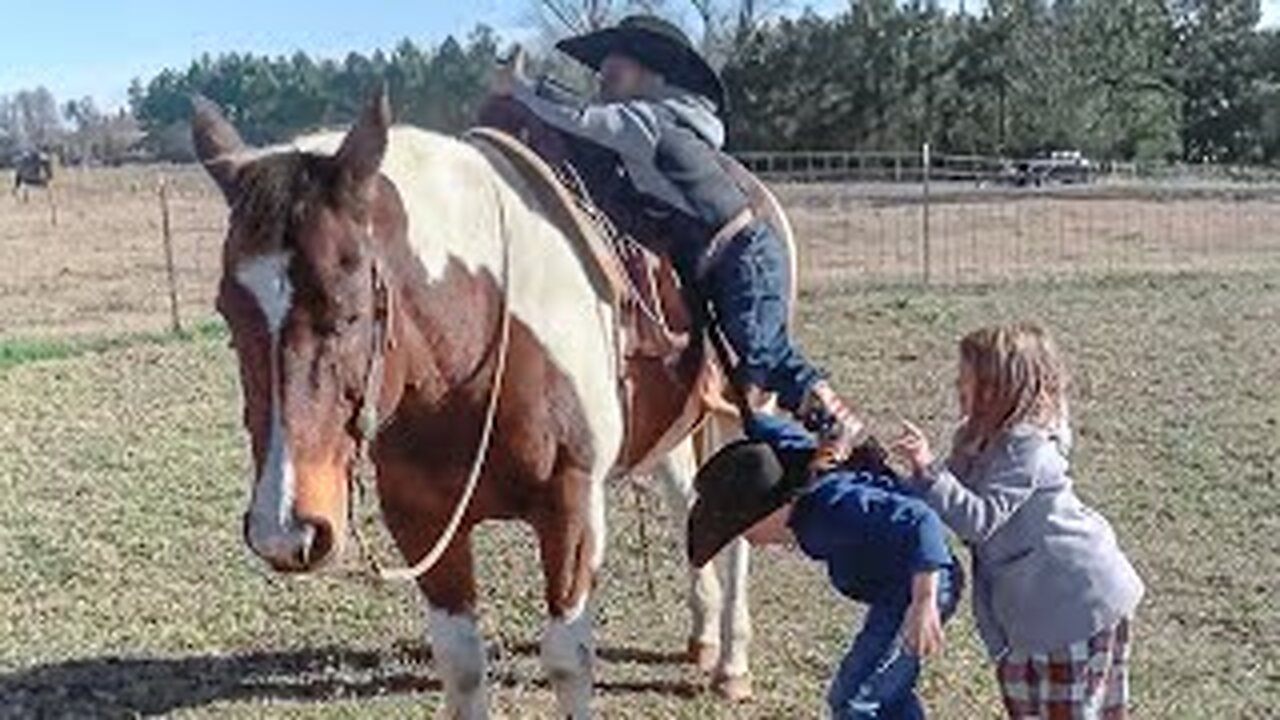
(216, 143)
(365, 145)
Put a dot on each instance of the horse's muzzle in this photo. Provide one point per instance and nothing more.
(302, 545)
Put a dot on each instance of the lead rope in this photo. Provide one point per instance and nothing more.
(369, 418)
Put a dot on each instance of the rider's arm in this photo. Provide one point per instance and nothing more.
(629, 129)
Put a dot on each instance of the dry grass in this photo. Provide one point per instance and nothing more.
(102, 270)
(861, 234)
(125, 588)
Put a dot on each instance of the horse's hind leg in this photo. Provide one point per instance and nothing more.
(733, 675)
(571, 539)
(704, 597)
(718, 592)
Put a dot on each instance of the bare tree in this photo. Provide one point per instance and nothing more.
(8, 132)
(39, 122)
(727, 24)
(578, 16)
(722, 25)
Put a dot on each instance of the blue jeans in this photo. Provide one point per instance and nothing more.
(877, 677)
(749, 290)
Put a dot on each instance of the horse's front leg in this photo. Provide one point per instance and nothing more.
(457, 648)
(571, 536)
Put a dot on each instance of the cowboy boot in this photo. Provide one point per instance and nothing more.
(826, 415)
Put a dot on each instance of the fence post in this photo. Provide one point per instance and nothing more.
(167, 229)
(53, 203)
(925, 249)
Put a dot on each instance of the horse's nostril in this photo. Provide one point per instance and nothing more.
(317, 542)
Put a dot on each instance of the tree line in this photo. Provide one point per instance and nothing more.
(1192, 80)
(1147, 80)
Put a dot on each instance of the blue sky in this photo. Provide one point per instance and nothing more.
(78, 48)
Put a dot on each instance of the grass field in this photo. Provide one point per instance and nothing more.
(125, 588)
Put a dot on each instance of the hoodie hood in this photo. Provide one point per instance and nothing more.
(694, 111)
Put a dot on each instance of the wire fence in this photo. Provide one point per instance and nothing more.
(109, 252)
(853, 234)
(118, 251)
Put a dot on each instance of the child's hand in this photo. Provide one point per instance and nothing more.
(913, 448)
(922, 628)
(508, 73)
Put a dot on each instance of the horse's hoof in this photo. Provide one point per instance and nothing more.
(734, 688)
(703, 655)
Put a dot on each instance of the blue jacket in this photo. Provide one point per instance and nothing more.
(872, 533)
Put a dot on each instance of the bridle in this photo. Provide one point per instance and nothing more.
(369, 421)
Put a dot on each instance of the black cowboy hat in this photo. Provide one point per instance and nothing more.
(744, 482)
(737, 488)
(655, 43)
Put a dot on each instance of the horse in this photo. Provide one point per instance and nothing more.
(33, 169)
(405, 295)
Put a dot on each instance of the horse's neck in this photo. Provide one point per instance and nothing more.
(451, 196)
(446, 268)
(484, 243)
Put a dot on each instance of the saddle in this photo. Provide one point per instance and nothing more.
(669, 379)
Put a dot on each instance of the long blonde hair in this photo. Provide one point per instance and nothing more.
(1018, 378)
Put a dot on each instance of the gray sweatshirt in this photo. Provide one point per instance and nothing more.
(669, 144)
(1047, 570)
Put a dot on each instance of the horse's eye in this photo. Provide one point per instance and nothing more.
(336, 325)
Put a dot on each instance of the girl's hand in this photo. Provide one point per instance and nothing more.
(912, 447)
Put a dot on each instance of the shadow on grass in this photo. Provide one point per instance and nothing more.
(621, 655)
(115, 687)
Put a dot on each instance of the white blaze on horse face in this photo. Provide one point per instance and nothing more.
(272, 532)
(266, 277)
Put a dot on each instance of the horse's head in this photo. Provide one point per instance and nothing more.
(302, 293)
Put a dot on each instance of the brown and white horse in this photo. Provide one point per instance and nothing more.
(421, 256)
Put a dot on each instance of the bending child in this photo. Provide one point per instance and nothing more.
(882, 546)
(1053, 595)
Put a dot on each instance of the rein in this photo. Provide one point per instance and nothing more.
(368, 424)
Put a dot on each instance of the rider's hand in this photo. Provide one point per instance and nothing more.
(509, 73)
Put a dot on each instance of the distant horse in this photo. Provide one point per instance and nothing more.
(34, 169)
(409, 295)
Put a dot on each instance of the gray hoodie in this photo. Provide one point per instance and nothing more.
(667, 142)
(1047, 570)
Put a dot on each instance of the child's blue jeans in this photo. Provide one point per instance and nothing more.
(877, 678)
(750, 290)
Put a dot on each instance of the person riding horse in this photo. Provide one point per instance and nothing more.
(34, 169)
(658, 115)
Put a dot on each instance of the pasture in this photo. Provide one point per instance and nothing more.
(125, 587)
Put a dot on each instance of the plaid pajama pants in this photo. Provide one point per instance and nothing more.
(1087, 680)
